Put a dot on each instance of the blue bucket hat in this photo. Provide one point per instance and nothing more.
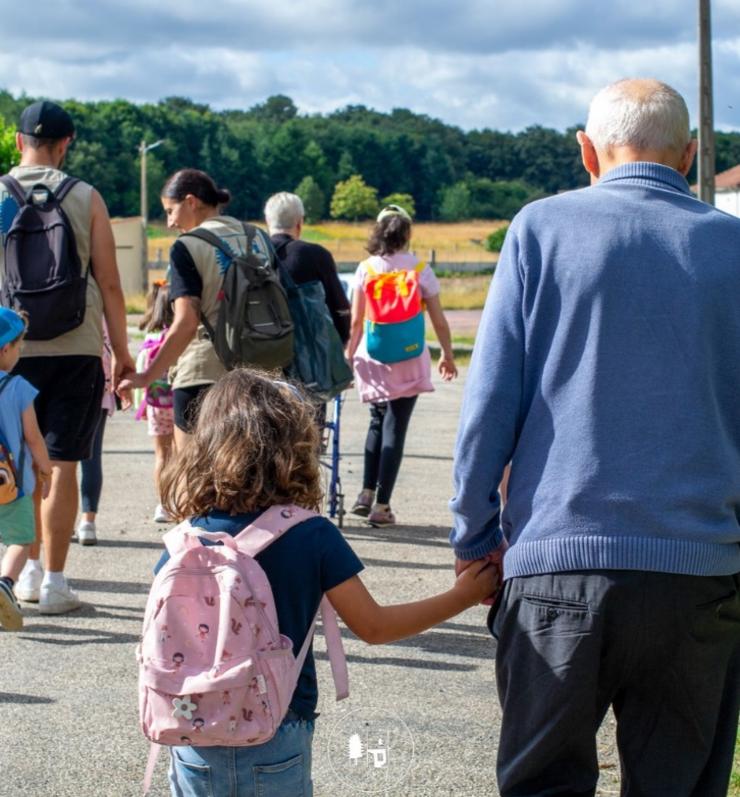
(11, 325)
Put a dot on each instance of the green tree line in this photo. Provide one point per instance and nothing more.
(442, 171)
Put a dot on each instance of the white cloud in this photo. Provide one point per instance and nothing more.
(506, 64)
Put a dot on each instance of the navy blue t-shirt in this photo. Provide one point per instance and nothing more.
(307, 561)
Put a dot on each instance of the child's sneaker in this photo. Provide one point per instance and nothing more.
(28, 586)
(11, 618)
(381, 516)
(363, 504)
(161, 515)
(86, 533)
(58, 599)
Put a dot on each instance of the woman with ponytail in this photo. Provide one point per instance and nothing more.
(192, 200)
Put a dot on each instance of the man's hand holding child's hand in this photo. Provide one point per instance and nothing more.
(480, 580)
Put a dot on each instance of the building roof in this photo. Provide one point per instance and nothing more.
(728, 180)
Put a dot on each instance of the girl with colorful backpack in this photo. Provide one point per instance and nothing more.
(154, 402)
(391, 361)
(226, 670)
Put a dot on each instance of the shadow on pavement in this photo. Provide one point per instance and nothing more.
(126, 587)
(10, 697)
(469, 645)
(432, 457)
(405, 564)
(87, 636)
(436, 536)
(155, 545)
(398, 662)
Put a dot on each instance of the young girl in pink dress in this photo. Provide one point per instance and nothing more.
(155, 401)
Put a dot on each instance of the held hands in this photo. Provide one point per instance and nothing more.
(496, 560)
(122, 370)
(479, 581)
(130, 382)
(121, 366)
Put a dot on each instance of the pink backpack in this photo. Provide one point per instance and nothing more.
(214, 668)
(159, 393)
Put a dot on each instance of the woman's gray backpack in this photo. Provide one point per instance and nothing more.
(43, 274)
(254, 326)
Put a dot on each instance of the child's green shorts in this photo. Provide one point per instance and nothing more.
(17, 524)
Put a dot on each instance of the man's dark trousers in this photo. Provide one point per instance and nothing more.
(663, 650)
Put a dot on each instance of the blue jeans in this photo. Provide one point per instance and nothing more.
(278, 768)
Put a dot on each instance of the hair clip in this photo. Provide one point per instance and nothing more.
(393, 210)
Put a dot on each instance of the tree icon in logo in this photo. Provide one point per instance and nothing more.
(355, 748)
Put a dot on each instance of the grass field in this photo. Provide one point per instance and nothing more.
(735, 779)
(460, 242)
(458, 293)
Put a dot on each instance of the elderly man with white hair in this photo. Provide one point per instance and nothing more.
(305, 262)
(606, 372)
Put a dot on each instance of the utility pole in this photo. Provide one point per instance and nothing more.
(144, 210)
(705, 164)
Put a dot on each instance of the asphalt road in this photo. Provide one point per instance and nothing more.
(424, 710)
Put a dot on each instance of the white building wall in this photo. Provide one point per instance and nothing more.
(729, 201)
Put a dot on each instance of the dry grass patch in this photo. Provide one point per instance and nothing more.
(464, 292)
(460, 242)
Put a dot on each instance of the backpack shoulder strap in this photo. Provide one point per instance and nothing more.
(210, 238)
(369, 270)
(250, 231)
(67, 184)
(175, 540)
(270, 526)
(420, 267)
(15, 189)
(18, 472)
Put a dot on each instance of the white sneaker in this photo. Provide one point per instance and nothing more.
(58, 600)
(161, 515)
(28, 586)
(86, 533)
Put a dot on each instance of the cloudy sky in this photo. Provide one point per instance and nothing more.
(504, 64)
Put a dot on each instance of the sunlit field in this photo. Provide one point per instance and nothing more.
(460, 242)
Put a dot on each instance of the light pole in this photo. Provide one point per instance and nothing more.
(705, 165)
(143, 149)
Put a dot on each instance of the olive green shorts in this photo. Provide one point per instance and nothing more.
(17, 524)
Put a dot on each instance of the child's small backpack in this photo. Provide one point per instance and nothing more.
(214, 668)
(159, 392)
(10, 481)
(394, 314)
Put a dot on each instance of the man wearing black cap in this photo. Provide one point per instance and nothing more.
(66, 369)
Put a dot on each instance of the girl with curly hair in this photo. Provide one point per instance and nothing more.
(254, 446)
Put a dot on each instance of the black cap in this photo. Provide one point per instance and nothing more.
(46, 119)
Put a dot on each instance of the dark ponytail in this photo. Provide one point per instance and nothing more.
(390, 235)
(197, 183)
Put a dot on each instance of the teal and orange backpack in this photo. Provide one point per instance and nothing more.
(394, 314)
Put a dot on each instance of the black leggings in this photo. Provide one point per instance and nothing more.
(386, 436)
(91, 484)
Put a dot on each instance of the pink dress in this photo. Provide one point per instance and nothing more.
(378, 381)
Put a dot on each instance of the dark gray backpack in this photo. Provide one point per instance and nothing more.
(43, 274)
(254, 326)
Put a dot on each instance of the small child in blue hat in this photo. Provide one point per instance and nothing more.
(26, 448)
